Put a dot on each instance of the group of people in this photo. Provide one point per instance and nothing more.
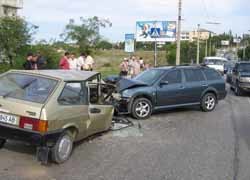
(83, 63)
(35, 62)
(131, 67)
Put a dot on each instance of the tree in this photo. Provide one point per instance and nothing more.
(103, 44)
(15, 34)
(86, 34)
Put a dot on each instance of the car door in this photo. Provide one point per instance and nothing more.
(195, 84)
(170, 89)
(100, 114)
(72, 108)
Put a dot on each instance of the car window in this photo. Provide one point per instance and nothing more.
(212, 74)
(26, 87)
(73, 94)
(194, 75)
(173, 77)
(150, 76)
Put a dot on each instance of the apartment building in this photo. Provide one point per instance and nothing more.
(10, 7)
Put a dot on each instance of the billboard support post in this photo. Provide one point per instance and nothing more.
(155, 57)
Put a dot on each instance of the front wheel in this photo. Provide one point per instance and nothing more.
(62, 150)
(208, 102)
(141, 108)
(2, 142)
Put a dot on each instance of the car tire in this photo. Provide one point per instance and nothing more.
(208, 102)
(237, 90)
(141, 108)
(63, 148)
(2, 143)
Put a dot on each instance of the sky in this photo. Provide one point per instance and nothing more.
(52, 15)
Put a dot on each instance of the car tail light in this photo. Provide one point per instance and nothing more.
(33, 124)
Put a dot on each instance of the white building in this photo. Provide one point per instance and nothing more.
(185, 35)
(10, 7)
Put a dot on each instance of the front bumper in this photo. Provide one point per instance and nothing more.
(30, 137)
(123, 106)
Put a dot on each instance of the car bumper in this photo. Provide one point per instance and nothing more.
(245, 86)
(30, 137)
(123, 106)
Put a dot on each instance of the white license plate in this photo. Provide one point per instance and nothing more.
(8, 119)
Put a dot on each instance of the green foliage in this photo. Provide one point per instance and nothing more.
(104, 45)
(247, 53)
(188, 52)
(15, 34)
(87, 34)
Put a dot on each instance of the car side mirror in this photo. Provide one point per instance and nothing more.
(163, 83)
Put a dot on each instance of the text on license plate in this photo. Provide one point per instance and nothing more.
(9, 119)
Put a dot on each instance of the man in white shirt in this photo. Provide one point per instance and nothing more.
(81, 62)
(73, 62)
(89, 62)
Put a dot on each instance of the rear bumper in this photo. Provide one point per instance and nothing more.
(33, 138)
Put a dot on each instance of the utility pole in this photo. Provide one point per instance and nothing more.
(206, 49)
(178, 50)
(198, 45)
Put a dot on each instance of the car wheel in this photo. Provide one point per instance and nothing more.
(208, 102)
(237, 90)
(62, 150)
(2, 142)
(141, 108)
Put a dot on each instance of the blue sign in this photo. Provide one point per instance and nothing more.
(129, 43)
(155, 32)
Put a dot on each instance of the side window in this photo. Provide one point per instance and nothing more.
(173, 77)
(194, 75)
(73, 94)
(212, 74)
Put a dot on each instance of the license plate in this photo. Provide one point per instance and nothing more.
(8, 119)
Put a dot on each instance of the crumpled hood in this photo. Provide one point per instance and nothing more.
(124, 84)
(245, 74)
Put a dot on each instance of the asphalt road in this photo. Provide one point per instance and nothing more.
(184, 144)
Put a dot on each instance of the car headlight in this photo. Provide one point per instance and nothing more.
(244, 79)
(126, 93)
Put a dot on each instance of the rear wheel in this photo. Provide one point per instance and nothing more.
(2, 142)
(62, 150)
(141, 108)
(208, 102)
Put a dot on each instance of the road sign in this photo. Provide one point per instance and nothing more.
(155, 32)
(129, 43)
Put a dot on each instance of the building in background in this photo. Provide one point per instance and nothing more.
(204, 35)
(185, 36)
(10, 7)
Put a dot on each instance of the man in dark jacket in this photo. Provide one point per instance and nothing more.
(28, 64)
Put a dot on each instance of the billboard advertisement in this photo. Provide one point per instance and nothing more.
(225, 43)
(150, 31)
(129, 43)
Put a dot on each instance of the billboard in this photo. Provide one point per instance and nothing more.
(129, 43)
(150, 31)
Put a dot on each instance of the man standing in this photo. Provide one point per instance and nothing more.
(28, 64)
(136, 67)
(81, 62)
(89, 62)
(64, 62)
(124, 68)
(73, 62)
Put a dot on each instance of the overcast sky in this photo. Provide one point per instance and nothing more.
(52, 15)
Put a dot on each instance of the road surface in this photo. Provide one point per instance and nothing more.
(184, 144)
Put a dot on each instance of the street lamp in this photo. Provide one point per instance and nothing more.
(198, 45)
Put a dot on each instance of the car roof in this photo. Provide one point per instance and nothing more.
(180, 67)
(216, 58)
(243, 62)
(65, 75)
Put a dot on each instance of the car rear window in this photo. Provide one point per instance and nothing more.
(26, 87)
(212, 74)
(194, 75)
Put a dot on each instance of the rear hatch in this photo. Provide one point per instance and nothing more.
(12, 110)
(22, 97)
